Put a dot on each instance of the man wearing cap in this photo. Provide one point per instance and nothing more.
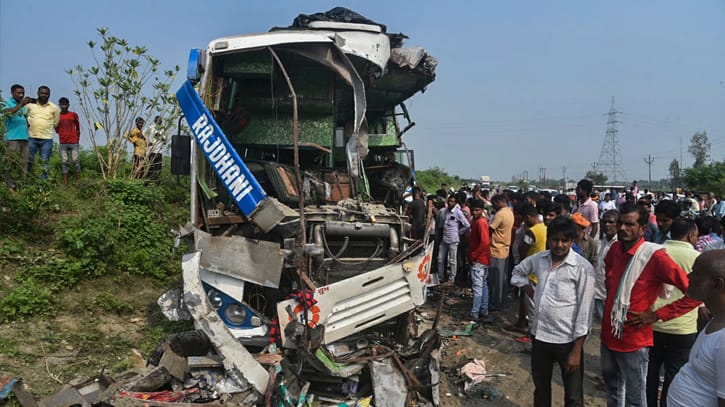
(583, 243)
(479, 253)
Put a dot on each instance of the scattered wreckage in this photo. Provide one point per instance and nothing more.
(301, 280)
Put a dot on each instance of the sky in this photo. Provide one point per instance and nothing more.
(522, 87)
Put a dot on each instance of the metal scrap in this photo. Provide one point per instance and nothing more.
(237, 359)
(389, 384)
(256, 261)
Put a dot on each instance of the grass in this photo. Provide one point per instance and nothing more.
(80, 273)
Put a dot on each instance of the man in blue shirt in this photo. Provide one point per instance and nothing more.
(16, 136)
(453, 225)
(718, 210)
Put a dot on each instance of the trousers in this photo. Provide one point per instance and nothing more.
(543, 357)
(672, 352)
(625, 375)
(447, 255)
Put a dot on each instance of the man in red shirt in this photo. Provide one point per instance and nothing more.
(635, 271)
(479, 252)
(69, 133)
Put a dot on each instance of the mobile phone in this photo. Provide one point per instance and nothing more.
(33, 100)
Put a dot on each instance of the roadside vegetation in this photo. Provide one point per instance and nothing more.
(81, 268)
(82, 265)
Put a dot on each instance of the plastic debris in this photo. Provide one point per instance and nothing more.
(447, 333)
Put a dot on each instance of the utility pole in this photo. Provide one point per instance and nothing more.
(681, 163)
(563, 169)
(649, 160)
(542, 175)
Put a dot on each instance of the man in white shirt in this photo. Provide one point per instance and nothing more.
(563, 317)
(157, 141)
(609, 229)
(701, 382)
(607, 204)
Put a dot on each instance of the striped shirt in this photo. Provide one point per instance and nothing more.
(564, 296)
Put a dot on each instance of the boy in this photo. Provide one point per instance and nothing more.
(479, 253)
(69, 134)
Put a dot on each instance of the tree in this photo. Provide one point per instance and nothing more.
(699, 148)
(707, 178)
(675, 173)
(597, 178)
(124, 83)
(432, 178)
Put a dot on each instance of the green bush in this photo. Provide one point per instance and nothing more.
(26, 300)
(23, 213)
(107, 302)
(122, 233)
(53, 236)
(52, 272)
(134, 192)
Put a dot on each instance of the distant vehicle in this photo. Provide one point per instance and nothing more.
(485, 182)
(513, 188)
(552, 192)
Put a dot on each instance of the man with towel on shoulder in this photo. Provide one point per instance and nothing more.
(635, 272)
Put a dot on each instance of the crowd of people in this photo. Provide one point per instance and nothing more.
(31, 125)
(653, 275)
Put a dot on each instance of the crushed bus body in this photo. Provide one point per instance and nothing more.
(299, 247)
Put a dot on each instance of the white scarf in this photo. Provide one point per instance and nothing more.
(624, 291)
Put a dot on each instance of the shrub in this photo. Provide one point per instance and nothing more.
(122, 233)
(26, 300)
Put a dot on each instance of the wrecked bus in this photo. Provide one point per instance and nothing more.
(298, 170)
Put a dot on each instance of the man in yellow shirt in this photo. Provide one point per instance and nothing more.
(534, 241)
(501, 226)
(43, 117)
(138, 139)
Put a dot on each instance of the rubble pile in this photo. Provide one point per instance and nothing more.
(362, 370)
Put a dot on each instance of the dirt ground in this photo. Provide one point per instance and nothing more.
(498, 348)
(101, 327)
(83, 340)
